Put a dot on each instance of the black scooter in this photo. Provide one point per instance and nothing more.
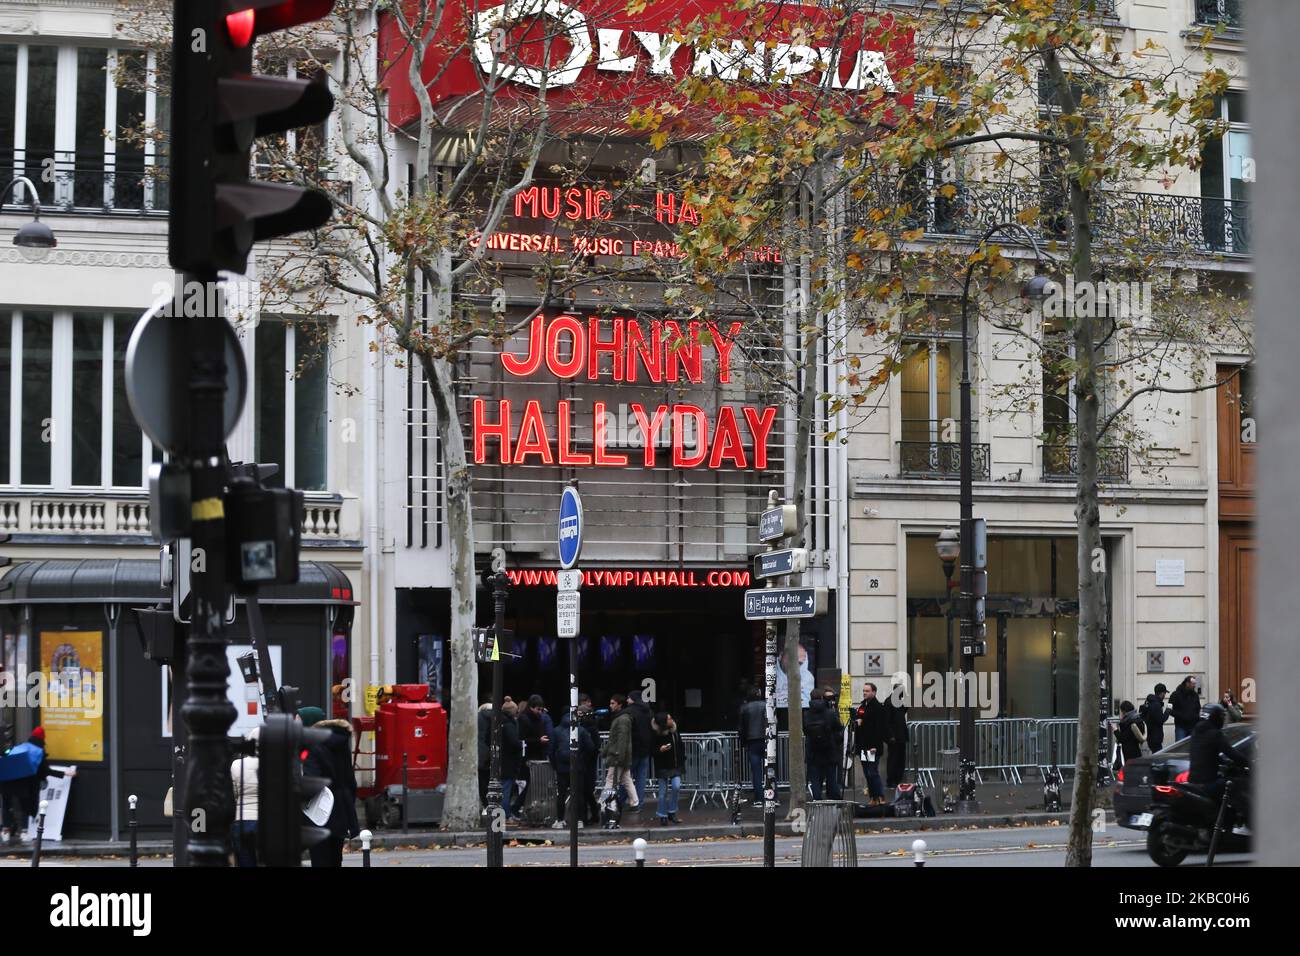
(1185, 819)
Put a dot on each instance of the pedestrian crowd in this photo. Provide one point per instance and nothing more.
(641, 746)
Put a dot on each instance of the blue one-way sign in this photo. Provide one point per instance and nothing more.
(766, 603)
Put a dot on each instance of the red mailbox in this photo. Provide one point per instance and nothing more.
(407, 722)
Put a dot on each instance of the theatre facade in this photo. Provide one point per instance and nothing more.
(674, 420)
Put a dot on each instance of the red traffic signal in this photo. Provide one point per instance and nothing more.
(217, 213)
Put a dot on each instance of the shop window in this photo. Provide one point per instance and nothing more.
(1031, 621)
(291, 382)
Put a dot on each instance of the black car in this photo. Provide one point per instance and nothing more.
(1132, 795)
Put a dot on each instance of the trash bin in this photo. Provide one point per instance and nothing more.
(828, 835)
(949, 778)
(539, 806)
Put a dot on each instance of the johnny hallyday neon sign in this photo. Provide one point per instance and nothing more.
(658, 351)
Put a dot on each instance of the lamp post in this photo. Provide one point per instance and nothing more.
(495, 578)
(33, 239)
(1036, 288)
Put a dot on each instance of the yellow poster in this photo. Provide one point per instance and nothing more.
(74, 684)
(846, 698)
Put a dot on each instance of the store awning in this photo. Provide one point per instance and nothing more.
(136, 582)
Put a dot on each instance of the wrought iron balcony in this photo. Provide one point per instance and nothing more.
(1061, 463)
(941, 460)
(1137, 221)
(1220, 13)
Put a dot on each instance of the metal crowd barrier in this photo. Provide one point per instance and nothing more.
(716, 765)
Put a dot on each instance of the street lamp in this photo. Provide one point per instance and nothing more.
(33, 239)
(1034, 289)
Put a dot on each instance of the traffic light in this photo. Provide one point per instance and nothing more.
(218, 108)
(283, 832)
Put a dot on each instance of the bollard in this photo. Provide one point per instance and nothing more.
(40, 832)
(366, 837)
(131, 825)
(405, 792)
(918, 853)
(638, 845)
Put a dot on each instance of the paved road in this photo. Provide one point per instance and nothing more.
(1015, 846)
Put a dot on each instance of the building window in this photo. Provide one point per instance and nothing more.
(931, 373)
(1226, 177)
(291, 396)
(69, 423)
(84, 124)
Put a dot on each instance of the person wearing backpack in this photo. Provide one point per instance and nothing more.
(822, 731)
(1132, 733)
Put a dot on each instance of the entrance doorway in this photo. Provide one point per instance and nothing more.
(1031, 668)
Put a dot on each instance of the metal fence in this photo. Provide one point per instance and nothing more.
(717, 766)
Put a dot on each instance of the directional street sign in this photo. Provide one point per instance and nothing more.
(767, 603)
(777, 523)
(570, 580)
(772, 564)
(568, 609)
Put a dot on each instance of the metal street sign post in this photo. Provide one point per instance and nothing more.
(568, 622)
(762, 604)
(774, 564)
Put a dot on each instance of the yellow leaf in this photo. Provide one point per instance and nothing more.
(912, 235)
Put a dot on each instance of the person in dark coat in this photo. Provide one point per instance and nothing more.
(1185, 703)
(1210, 746)
(752, 731)
(332, 759)
(560, 760)
(1154, 714)
(642, 743)
(535, 729)
(1132, 733)
(823, 733)
(870, 731)
(512, 754)
(896, 739)
(21, 798)
(670, 762)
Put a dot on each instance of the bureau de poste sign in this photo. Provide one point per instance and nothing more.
(629, 52)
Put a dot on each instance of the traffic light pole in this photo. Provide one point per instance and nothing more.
(496, 814)
(207, 711)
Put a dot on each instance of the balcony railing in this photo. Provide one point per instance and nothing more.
(941, 460)
(97, 184)
(1137, 221)
(1061, 463)
(1224, 13)
(121, 513)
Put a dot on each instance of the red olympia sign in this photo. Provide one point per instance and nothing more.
(658, 351)
(596, 52)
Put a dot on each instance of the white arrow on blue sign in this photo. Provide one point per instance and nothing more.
(767, 603)
(570, 538)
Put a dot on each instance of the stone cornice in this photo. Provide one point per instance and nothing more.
(90, 257)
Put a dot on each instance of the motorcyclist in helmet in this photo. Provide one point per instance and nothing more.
(1209, 743)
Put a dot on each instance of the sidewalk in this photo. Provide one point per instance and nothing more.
(1002, 805)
